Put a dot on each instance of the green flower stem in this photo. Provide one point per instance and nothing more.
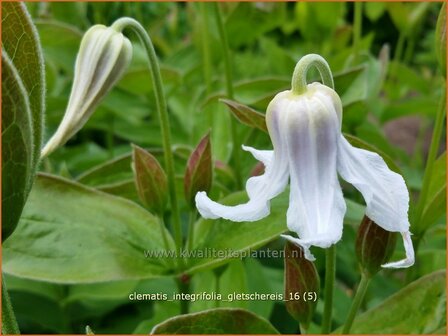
(9, 322)
(229, 88)
(154, 68)
(359, 296)
(357, 29)
(432, 155)
(191, 222)
(298, 83)
(164, 236)
(206, 57)
(330, 275)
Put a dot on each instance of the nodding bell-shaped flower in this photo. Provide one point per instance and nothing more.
(103, 56)
(304, 125)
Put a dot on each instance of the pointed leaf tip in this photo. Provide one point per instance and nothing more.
(150, 180)
(198, 174)
(246, 114)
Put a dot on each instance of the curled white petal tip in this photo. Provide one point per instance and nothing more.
(410, 255)
(305, 247)
(203, 205)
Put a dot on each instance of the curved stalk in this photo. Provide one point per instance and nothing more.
(154, 68)
(298, 83)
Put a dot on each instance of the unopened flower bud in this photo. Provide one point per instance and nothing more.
(150, 180)
(198, 175)
(441, 39)
(374, 246)
(301, 285)
(102, 59)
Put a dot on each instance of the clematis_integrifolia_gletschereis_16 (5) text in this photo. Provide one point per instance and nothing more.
(309, 151)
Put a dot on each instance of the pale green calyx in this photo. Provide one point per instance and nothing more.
(103, 57)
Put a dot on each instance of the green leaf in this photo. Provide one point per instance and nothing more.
(419, 308)
(216, 321)
(198, 173)
(246, 115)
(17, 146)
(60, 43)
(69, 233)
(21, 43)
(150, 180)
(435, 205)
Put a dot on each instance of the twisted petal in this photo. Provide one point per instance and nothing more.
(316, 209)
(260, 189)
(384, 191)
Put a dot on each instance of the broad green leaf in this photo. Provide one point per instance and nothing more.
(230, 279)
(419, 308)
(69, 233)
(215, 321)
(435, 205)
(17, 146)
(60, 43)
(21, 43)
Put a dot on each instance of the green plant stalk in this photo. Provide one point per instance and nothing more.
(205, 49)
(110, 136)
(330, 275)
(398, 54)
(191, 222)
(432, 155)
(298, 82)
(154, 68)
(359, 296)
(357, 29)
(9, 322)
(229, 89)
(164, 236)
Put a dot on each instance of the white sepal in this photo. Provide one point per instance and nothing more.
(103, 57)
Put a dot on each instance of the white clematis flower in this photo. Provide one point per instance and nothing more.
(310, 151)
(103, 57)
